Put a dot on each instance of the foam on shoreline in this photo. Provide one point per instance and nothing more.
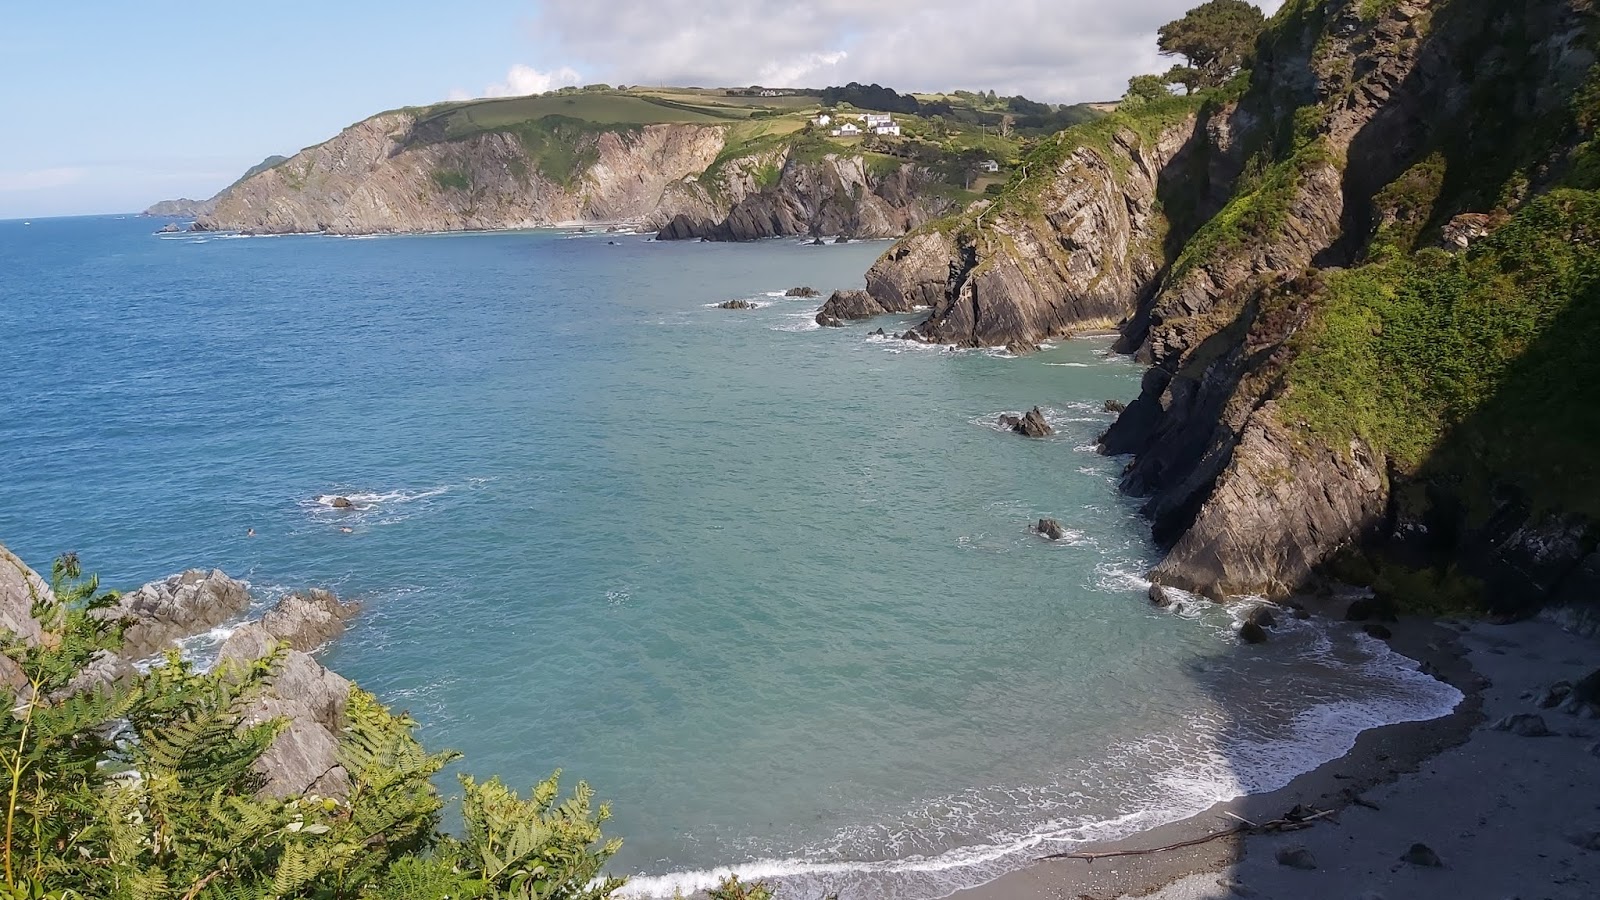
(1194, 766)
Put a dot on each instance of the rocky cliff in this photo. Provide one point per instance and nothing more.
(398, 173)
(1357, 278)
(785, 192)
(184, 208)
(1072, 244)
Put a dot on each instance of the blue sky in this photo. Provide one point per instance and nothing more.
(115, 105)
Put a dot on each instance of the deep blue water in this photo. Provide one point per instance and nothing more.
(767, 587)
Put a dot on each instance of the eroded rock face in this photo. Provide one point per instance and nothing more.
(1079, 253)
(848, 306)
(304, 758)
(834, 195)
(1248, 501)
(377, 176)
(164, 612)
(20, 588)
(1030, 424)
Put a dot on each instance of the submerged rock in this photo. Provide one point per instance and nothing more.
(1260, 615)
(1050, 528)
(1115, 406)
(1378, 630)
(1161, 596)
(1251, 633)
(807, 291)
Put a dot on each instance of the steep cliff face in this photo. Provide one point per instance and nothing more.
(779, 193)
(1260, 456)
(1073, 244)
(380, 176)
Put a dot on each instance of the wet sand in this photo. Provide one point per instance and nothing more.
(1500, 810)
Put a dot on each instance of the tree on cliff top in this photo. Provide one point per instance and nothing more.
(1216, 38)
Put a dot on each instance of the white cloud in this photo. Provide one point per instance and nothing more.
(793, 72)
(522, 80)
(1059, 50)
(41, 179)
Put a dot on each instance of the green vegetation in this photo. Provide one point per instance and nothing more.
(1216, 39)
(144, 789)
(452, 180)
(1467, 363)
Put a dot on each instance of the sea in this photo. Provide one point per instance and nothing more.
(768, 588)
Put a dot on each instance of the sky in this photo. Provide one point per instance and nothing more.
(116, 105)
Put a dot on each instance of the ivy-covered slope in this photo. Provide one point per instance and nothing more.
(1376, 352)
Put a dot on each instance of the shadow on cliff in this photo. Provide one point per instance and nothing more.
(1503, 513)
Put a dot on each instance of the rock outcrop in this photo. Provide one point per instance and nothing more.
(830, 194)
(20, 588)
(1031, 423)
(1074, 245)
(304, 758)
(1214, 234)
(164, 612)
(848, 306)
(384, 175)
(398, 172)
(1245, 498)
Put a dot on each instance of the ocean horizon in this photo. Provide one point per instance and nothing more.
(768, 587)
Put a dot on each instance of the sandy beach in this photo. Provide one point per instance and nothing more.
(1505, 814)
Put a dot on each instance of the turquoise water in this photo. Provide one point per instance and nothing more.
(767, 587)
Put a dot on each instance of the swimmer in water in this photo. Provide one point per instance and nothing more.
(249, 532)
(348, 530)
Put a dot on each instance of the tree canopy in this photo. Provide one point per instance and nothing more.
(1216, 38)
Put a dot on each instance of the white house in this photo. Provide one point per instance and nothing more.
(874, 120)
(891, 128)
(989, 166)
(848, 129)
(823, 120)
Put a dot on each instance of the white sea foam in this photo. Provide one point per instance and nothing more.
(1070, 365)
(1207, 759)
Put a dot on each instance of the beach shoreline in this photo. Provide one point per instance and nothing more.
(1398, 780)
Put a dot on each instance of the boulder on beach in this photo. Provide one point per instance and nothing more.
(1422, 855)
(1032, 423)
(806, 291)
(1296, 857)
(1050, 528)
(1523, 725)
